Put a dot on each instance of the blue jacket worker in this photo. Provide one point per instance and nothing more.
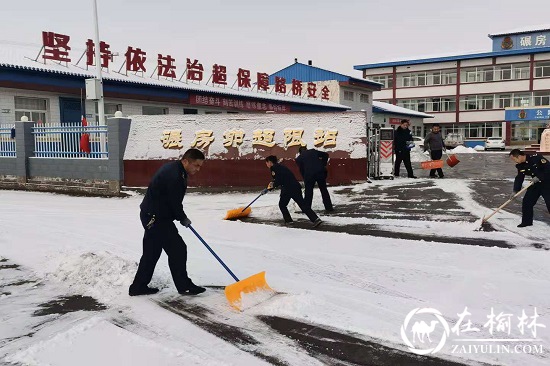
(403, 143)
(313, 167)
(290, 189)
(537, 167)
(162, 205)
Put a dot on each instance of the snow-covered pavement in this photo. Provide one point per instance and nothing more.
(56, 246)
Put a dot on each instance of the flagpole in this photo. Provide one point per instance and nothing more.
(100, 102)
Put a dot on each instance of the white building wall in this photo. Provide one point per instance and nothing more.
(386, 94)
(541, 84)
(542, 56)
(129, 107)
(433, 91)
(7, 101)
(442, 118)
(482, 116)
(511, 59)
(476, 62)
(378, 71)
(423, 67)
(498, 87)
(356, 105)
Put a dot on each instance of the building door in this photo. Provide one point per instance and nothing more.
(71, 110)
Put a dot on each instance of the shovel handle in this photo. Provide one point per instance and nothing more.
(255, 199)
(213, 253)
(485, 219)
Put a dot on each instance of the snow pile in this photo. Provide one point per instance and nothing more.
(479, 148)
(418, 155)
(97, 274)
(463, 150)
(254, 298)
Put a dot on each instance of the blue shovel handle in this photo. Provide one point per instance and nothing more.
(213, 253)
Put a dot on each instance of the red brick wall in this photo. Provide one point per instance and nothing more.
(241, 173)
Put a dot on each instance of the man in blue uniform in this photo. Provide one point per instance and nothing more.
(537, 167)
(313, 167)
(403, 143)
(162, 205)
(290, 189)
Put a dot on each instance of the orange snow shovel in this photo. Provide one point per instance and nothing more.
(431, 164)
(233, 292)
(452, 160)
(237, 213)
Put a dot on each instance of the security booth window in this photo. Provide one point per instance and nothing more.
(36, 109)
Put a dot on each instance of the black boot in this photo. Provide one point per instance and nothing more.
(192, 289)
(136, 291)
(524, 225)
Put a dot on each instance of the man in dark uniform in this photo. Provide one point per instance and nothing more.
(162, 205)
(403, 143)
(313, 167)
(290, 189)
(538, 167)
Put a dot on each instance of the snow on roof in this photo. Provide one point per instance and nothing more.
(390, 108)
(16, 58)
(531, 29)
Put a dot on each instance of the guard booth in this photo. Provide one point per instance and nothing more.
(380, 152)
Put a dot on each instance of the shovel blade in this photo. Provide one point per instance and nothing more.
(452, 161)
(237, 213)
(255, 284)
(432, 164)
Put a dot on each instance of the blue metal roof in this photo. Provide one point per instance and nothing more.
(452, 58)
(307, 73)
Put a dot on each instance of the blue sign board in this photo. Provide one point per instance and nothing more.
(527, 114)
(521, 41)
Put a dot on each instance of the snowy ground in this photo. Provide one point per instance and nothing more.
(58, 251)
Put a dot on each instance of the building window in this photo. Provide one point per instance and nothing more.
(542, 98)
(542, 69)
(111, 109)
(190, 111)
(34, 108)
(213, 112)
(522, 100)
(151, 110)
(426, 79)
(385, 80)
(443, 104)
(348, 95)
(364, 98)
(504, 100)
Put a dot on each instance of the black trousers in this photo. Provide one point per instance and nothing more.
(295, 195)
(436, 155)
(158, 236)
(321, 181)
(530, 199)
(405, 157)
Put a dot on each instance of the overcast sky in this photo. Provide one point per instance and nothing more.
(266, 36)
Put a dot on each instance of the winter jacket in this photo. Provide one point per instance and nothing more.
(535, 166)
(165, 193)
(401, 137)
(434, 141)
(284, 178)
(312, 163)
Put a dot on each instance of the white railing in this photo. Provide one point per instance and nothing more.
(65, 140)
(7, 140)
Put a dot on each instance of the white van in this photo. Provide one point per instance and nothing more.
(453, 140)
